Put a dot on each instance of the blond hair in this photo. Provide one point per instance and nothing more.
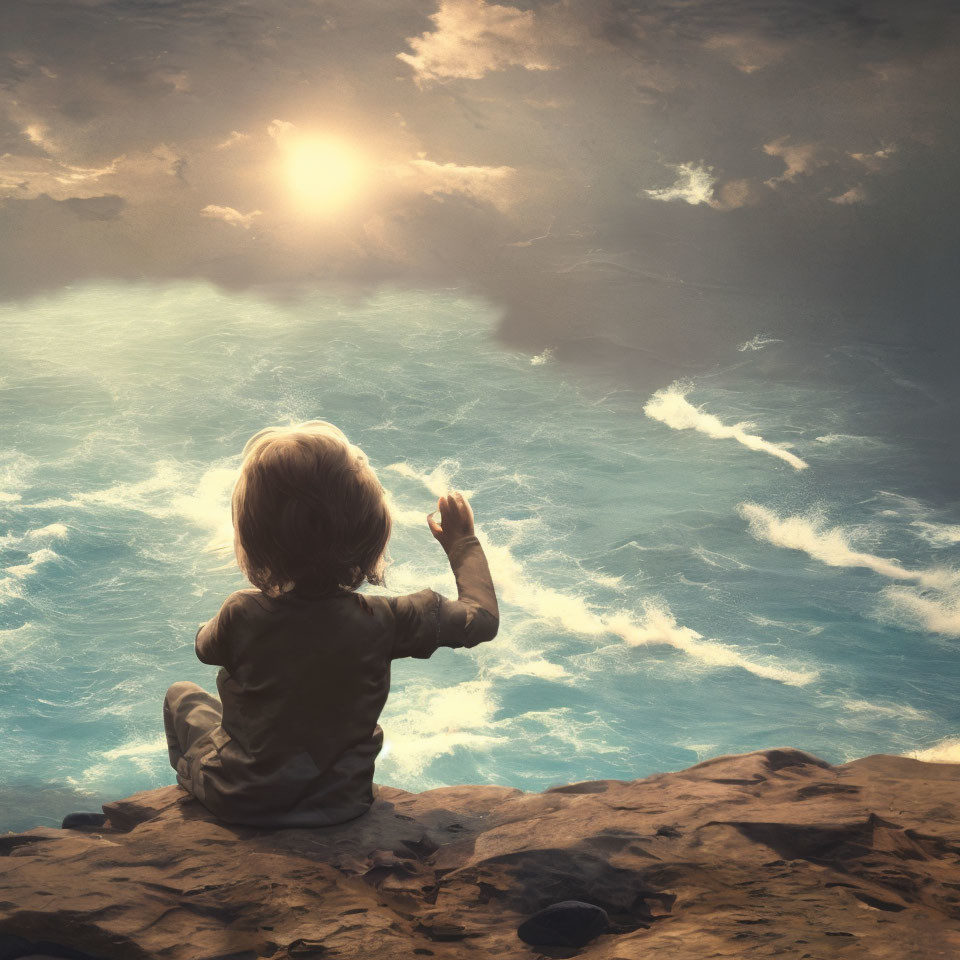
(308, 512)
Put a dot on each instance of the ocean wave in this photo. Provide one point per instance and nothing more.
(848, 439)
(10, 585)
(804, 628)
(530, 665)
(574, 614)
(172, 491)
(831, 545)
(437, 481)
(933, 611)
(15, 468)
(757, 343)
(542, 358)
(148, 756)
(656, 625)
(671, 407)
(938, 534)
(898, 711)
(424, 722)
(719, 560)
(36, 559)
(933, 604)
(946, 751)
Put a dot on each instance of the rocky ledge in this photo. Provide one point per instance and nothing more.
(768, 854)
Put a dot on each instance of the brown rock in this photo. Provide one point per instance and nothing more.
(767, 854)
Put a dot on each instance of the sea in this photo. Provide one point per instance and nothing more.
(764, 553)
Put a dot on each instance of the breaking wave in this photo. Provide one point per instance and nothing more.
(671, 407)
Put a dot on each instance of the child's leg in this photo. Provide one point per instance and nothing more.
(188, 713)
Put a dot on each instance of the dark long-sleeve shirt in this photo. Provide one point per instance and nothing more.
(302, 686)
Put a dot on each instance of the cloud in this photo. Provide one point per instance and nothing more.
(235, 137)
(798, 159)
(25, 177)
(471, 38)
(229, 215)
(697, 183)
(856, 194)
(747, 52)
(497, 120)
(109, 206)
(876, 161)
(694, 185)
(485, 184)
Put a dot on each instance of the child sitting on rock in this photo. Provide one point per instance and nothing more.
(306, 659)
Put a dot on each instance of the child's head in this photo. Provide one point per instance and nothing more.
(308, 511)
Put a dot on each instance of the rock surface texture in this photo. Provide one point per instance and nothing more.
(768, 854)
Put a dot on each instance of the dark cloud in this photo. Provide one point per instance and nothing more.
(650, 182)
(107, 207)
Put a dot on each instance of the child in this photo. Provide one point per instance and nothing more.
(305, 658)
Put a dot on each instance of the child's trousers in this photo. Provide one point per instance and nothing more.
(284, 791)
(189, 712)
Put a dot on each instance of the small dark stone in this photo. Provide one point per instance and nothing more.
(571, 923)
(78, 821)
(668, 832)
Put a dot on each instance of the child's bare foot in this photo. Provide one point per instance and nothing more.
(456, 519)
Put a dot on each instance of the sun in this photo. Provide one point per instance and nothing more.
(325, 174)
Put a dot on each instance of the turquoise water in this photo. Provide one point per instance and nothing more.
(672, 586)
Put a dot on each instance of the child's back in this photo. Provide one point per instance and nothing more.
(306, 673)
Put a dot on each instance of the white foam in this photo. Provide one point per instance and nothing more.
(933, 611)
(528, 666)
(145, 755)
(423, 723)
(938, 534)
(657, 624)
(671, 407)
(170, 492)
(403, 515)
(577, 733)
(805, 628)
(15, 467)
(10, 585)
(16, 640)
(542, 358)
(720, 560)
(946, 751)
(437, 481)
(899, 711)
(757, 343)
(848, 439)
(831, 545)
(37, 558)
(933, 603)
(574, 614)
(703, 750)
(52, 531)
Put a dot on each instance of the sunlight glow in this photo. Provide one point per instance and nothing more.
(324, 174)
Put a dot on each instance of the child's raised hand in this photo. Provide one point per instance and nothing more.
(456, 519)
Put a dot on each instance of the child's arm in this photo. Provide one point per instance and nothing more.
(209, 643)
(427, 620)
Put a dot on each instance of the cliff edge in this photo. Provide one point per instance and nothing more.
(768, 854)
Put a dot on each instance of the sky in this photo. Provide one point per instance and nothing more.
(643, 183)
